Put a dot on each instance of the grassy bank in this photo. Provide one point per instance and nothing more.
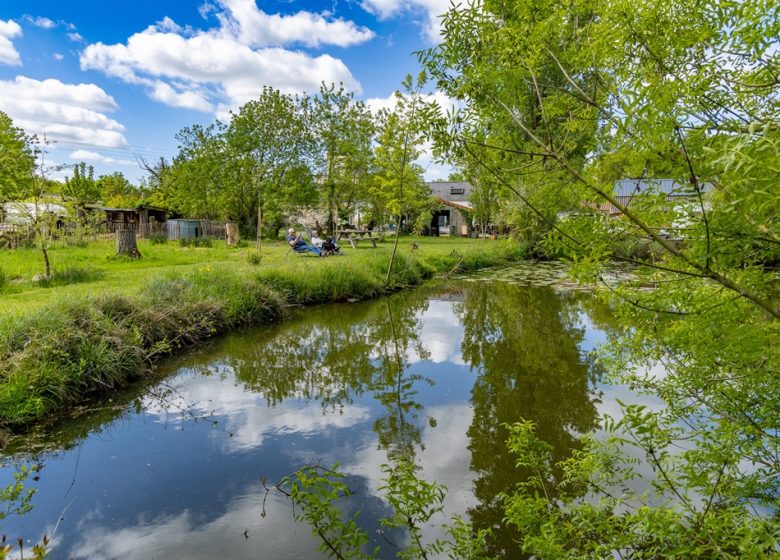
(70, 342)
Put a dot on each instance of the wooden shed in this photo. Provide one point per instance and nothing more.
(145, 219)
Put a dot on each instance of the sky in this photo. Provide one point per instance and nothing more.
(108, 82)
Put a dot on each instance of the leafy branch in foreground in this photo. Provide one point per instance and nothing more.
(17, 500)
(609, 515)
(317, 491)
(560, 101)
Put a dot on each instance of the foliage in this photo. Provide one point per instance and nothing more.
(398, 188)
(71, 275)
(344, 129)
(314, 490)
(24, 179)
(17, 160)
(81, 189)
(317, 491)
(555, 110)
(158, 238)
(17, 501)
(198, 173)
(270, 145)
(195, 242)
(117, 192)
(253, 258)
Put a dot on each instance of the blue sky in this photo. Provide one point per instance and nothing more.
(111, 80)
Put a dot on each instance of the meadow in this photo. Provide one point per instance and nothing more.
(101, 322)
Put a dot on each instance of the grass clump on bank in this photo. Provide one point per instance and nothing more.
(71, 275)
(72, 348)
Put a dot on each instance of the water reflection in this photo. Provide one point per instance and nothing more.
(173, 469)
(526, 344)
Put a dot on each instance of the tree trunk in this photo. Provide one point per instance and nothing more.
(232, 234)
(126, 243)
(46, 262)
(259, 227)
(395, 248)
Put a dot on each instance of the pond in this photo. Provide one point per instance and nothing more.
(173, 469)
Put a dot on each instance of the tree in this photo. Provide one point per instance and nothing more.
(690, 90)
(398, 186)
(198, 172)
(32, 193)
(81, 189)
(17, 160)
(270, 147)
(117, 192)
(344, 129)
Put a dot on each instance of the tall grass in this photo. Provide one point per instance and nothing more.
(4, 279)
(73, 348)
(72, 275)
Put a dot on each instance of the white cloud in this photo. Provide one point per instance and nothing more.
(75, 37)
(87, 155)
(218, 70)
(251, 26)
(8, 53)
(66, 113)
(444, 457)
(432, 11)
(58, 56)
(42, 22)
(185, 99)
(375, 104)
(245, 530)
(250, 420)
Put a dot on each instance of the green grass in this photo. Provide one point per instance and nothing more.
(63, 342)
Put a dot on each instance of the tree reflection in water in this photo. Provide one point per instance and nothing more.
(525, 343)
(336, 357)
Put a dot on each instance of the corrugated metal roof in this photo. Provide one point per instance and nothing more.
(629, 187)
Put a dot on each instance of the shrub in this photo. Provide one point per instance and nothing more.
(195, 242)
(158, 238)
(253, 258)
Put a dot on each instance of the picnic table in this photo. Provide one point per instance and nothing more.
(354, 236)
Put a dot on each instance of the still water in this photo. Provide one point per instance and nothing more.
(173, 469)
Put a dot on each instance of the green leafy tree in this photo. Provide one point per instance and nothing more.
(344, 129)
(116, 191)
(199, 173)
(575, 95)
(398, 186)
(270, 147)
(81, 189)
(17, 160)
(25, 179)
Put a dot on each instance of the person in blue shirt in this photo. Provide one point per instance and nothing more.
(299, 245)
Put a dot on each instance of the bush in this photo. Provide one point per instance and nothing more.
(158, 238)
(195, 242)
(254, 258)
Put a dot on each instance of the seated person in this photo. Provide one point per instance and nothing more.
(299, 245)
